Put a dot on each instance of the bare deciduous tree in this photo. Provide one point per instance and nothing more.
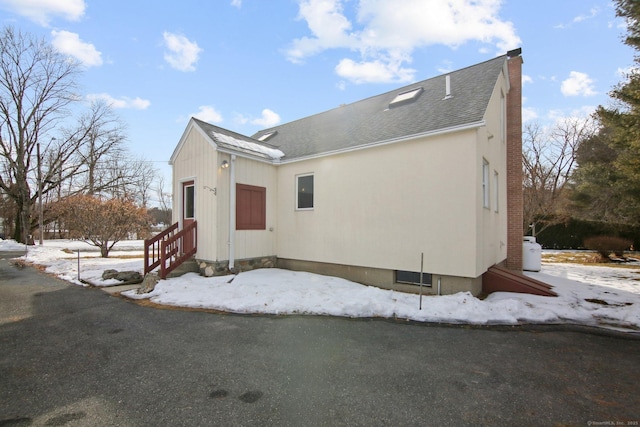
(549, 157)
(104, 138)
(164, 201)
(36, 85)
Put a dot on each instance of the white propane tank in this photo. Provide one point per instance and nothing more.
(531, 254)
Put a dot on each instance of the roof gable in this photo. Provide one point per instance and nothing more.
(424, 108)
(224, 139)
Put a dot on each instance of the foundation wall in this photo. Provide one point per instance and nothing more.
(385, 279)
(221, 268)
(378, 277)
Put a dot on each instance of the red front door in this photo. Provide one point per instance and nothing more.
(188, 211)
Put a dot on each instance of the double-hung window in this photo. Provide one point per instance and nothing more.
(304, 192)
(496, 191)
(486, 202)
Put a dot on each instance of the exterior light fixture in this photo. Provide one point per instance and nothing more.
(225, 164)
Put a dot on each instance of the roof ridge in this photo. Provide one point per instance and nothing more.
(392, 91)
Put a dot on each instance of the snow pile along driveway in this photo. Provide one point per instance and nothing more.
(588, 295)
(276, 291)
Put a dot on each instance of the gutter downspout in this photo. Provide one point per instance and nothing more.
(232, 212)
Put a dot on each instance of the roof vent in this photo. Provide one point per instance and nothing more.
(407, 96)
(447, 88)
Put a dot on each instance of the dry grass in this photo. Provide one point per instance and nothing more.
(95, 254)
(138, 256)
(572, 257)
(586, 258)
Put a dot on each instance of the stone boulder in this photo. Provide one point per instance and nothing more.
(123, 276)
(148, 284)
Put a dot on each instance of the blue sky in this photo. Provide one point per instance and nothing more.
(250, 64)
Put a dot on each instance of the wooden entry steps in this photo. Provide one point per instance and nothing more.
(499, 279)
(170, 248)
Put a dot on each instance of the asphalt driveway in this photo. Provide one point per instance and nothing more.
(71, 356)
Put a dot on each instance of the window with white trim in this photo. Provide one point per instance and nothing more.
(485, 184)
(188, 205)
(503, 117)
(304, 192)
(496, 192)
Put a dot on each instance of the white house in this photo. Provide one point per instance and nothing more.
(366, 191)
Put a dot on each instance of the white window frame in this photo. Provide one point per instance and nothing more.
(297, 192)
(496, 191)
(503, 117)
(186, 185)
(406, 96)
(486, 195)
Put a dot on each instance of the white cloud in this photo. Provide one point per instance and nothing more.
(446, 67)
(42, 11)
(593, 12)
(70, 44)
(268, 119)
(387, 32)
(526, 79)
(578, 84)
(328, 25)
(581, 113)
(208, 114)
(626, 73)
(528, 114)
(240, 119)
(236, 3)
(182, 53)
(124, 102)
(373, 72)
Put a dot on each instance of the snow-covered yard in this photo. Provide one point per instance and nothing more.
(588, 294)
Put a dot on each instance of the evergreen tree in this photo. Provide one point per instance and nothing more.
(607, 180)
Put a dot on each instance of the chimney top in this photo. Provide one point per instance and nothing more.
(515, 52)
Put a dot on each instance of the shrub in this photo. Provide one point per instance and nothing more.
(102, 222)
(607, 245)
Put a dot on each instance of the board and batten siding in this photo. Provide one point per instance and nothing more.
(197, 160)
(248, 243)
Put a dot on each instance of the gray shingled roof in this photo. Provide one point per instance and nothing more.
(371, 120)
(237, 142)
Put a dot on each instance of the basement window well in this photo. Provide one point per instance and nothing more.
(413, 277)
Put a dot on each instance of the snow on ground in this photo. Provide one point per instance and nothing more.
(588, 295)
(60, 258)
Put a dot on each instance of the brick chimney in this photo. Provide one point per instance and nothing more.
(514, 162)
